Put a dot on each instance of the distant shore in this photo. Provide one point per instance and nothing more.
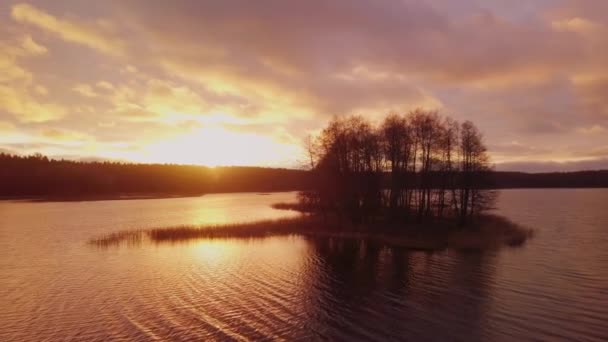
(117, 197)
(40, 178)
(93, 198)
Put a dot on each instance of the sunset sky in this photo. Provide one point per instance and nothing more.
(232, 82)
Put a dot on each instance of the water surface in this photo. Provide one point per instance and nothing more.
(55, 286)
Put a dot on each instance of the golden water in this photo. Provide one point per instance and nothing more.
(54, 286)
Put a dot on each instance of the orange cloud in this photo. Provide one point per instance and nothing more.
(6, 126)
(32, 47)
(17, 87)
(63, 135)
(85, 90)
(161, 70)
(96, 36)
(579, 25)
(11, 51)
(27, 108)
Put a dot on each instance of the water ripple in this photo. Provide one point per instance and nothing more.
(55, 287)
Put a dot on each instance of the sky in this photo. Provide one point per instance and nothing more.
(239, 82)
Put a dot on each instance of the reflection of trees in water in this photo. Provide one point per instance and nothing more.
(460, 293)
(369, 291)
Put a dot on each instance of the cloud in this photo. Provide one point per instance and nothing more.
(96, 35)
(133, 112)
(11, 71)
(516, 148)
(346, 60)
(32, 47)
(601, 151)
(595, 129)
(170, 99)
(593, 95)
(11, 51)
(534, 75)
(18, 89)
(105, 85)
(27, 108)
(85, 90)
(578, 25)
(58, 135)
(62, 135)
(554, 166)
(6, 126)
(39, 89)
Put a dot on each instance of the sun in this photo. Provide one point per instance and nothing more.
(214, 145)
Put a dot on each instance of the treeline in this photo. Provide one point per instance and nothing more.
(39, 176)
(435, 166)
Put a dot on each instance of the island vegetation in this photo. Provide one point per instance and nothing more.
(418, 177)
(416, 181)
(436, 169)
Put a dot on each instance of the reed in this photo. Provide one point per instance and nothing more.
(489, 232)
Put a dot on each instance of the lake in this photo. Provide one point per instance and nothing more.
(55, 286)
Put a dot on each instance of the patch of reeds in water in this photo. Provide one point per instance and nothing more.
(488, 232)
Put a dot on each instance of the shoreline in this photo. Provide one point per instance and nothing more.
(118, 197)
(92, 198)
(125, 197)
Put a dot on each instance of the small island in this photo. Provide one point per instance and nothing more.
(417, 181)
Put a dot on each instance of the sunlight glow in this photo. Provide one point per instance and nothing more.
(214, 252)
(215, 145)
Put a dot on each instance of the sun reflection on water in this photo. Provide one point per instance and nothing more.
(214, 252)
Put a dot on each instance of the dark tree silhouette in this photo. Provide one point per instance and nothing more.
(390, 185)
(432, 165)
(39, 176)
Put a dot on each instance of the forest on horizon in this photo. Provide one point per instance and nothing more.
(38, 176)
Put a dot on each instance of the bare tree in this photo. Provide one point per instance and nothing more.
(473, 162)
(448, 143)
(311, 150)
(397, 142)
(426, 128)
(436, 163)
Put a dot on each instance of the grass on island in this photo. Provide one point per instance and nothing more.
(488, 232)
